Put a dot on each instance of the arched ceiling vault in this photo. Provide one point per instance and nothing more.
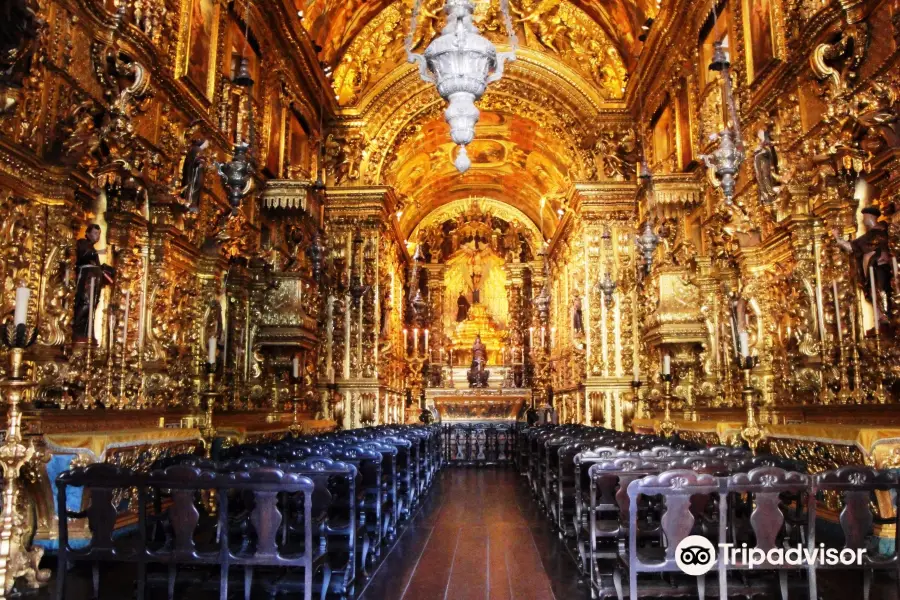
(333, 25)
(549, 122)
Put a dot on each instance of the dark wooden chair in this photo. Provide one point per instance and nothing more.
(855, 488)
(676, 488)
(608, 510)
(764, 488)
(103, 489)
(344, 527)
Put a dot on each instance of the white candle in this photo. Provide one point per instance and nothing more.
(530, 338)
(667, 364)
(637, 370)
(127, 310)
(837, 311)
(426, 340)
(745, 344)
(91, 311)
(874, 295)
(296, 367)
(553, 337)
(543, 335)
(22, 296)
(415, 339)
(211, 357)
(894, 264)
(523, 356)
(405, 340)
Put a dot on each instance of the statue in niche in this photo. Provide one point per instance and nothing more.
(386, 314)
(765, 165)
(91, 275)
(577, 315)
(478, 375)
(192, 173)
(462, 308)
(872, 256)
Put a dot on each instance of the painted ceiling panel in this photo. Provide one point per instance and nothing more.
(334, 24)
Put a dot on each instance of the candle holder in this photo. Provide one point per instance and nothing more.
(207, 429)
(641, 410)
(295, 428)
(667, 426)
(753, 434)
(16, 560)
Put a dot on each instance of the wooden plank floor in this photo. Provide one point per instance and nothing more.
(478, 535)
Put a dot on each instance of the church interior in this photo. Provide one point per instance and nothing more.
(421, 299)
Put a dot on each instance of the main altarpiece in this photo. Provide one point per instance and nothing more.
(227, 221)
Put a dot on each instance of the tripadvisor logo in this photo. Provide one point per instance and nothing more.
(695, 555)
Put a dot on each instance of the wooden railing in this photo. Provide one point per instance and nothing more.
(479, 444)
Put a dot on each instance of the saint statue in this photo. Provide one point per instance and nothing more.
(462, 308)
(192, 173)
(477, 375)
(577, 315)
(90, 275)
(872, 257)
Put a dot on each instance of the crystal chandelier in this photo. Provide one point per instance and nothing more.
(461, 63)
(725, 161)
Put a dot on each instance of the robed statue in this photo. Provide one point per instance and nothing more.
(577, 315)
(872, 259)
(462, 308)
(478, 375)
(91, 276)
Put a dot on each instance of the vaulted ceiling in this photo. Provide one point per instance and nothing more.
(542, 127)
(334, 24)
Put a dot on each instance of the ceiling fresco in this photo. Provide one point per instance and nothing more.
(334, 24)
(560, 31)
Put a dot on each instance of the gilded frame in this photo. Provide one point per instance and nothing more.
(754, 73)
(205, 93)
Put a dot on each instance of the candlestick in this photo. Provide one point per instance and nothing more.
(211, 350)
(667, 365)
(127, 310)
(91, 312)
(141, 313)
(21, 313)
(837, 312)
(874, 295)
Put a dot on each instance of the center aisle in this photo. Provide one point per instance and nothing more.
(478, 535)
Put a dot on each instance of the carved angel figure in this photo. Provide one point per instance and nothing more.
(765, 165)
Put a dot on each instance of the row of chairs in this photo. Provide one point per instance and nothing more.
(627, 501)
(313, 513)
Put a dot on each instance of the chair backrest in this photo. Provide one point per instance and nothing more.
(610, 480)
(676, 487)
(704, 464)
(855, 487)
(766, 485)
(748, 463)
(104, 486)
(261, 491)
